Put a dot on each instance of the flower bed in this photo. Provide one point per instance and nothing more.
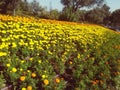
(53, 55)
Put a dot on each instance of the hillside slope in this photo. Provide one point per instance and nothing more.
(56, 55)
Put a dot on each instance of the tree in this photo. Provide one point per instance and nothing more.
(3, 6)
(25, 8)
(115, 17)
(35, 8)
(9, 5)
(68, 15)
(98, 15)
(72, 7)
(54, 14)
(77, 4)
(14, 5)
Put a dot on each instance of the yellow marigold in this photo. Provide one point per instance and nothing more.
(43, 76)
(8, 65)
(14, 70)
(22, 78)
(57, 80)
(31, 59)
(3, 54)
(29, 87)
(14, 45)
(70, 62)
(46, 82)
(28, 71)
(23, 88)
(21, 69)
(33, 75)
(39, 61)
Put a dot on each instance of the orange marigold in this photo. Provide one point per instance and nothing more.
(22, 78)
(57, 80)
(46, 82)
(29, 87)
(33, 75)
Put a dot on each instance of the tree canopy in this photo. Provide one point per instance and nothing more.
(98, 15)
(115, 17)
(8, 5)
(76, 4)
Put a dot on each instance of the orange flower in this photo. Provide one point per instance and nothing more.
(57, 80)
(29, 88)
(70, 62)
(33, 75)
(22, 78)
(46, 82)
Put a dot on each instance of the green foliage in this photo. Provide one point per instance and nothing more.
(54, 14)
(2, 81)
(76, 4)
(9, 6)
(68, 15)
(98, 15)
(114, 17)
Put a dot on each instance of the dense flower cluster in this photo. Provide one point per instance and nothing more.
(54, 55)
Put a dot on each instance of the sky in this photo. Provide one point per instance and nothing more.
(55, 4)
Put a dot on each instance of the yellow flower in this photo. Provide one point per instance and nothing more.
(43, 76)
(14, 70)
(8, 65)
(57, 80)
(33, 75)
(39, 61)
(22, 78)
(23, 88)
(14, 45)
(21, 69)
(29, 88)
(28, 71)
(22, 61)
(31, 59)
(70, 62)
(3, 54)
(78, 56)
(46, 82)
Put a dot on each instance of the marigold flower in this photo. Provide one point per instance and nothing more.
(31, 59)
(46, 82)
(43, 76)
(23, 88)
(39, 61)
(14, 70)
(70, 62)
(57, 80)
(21, 69)
(29, 87)
(3, 54)
(33, 75)
(28, 71)
(22, 78)
(8, 65)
